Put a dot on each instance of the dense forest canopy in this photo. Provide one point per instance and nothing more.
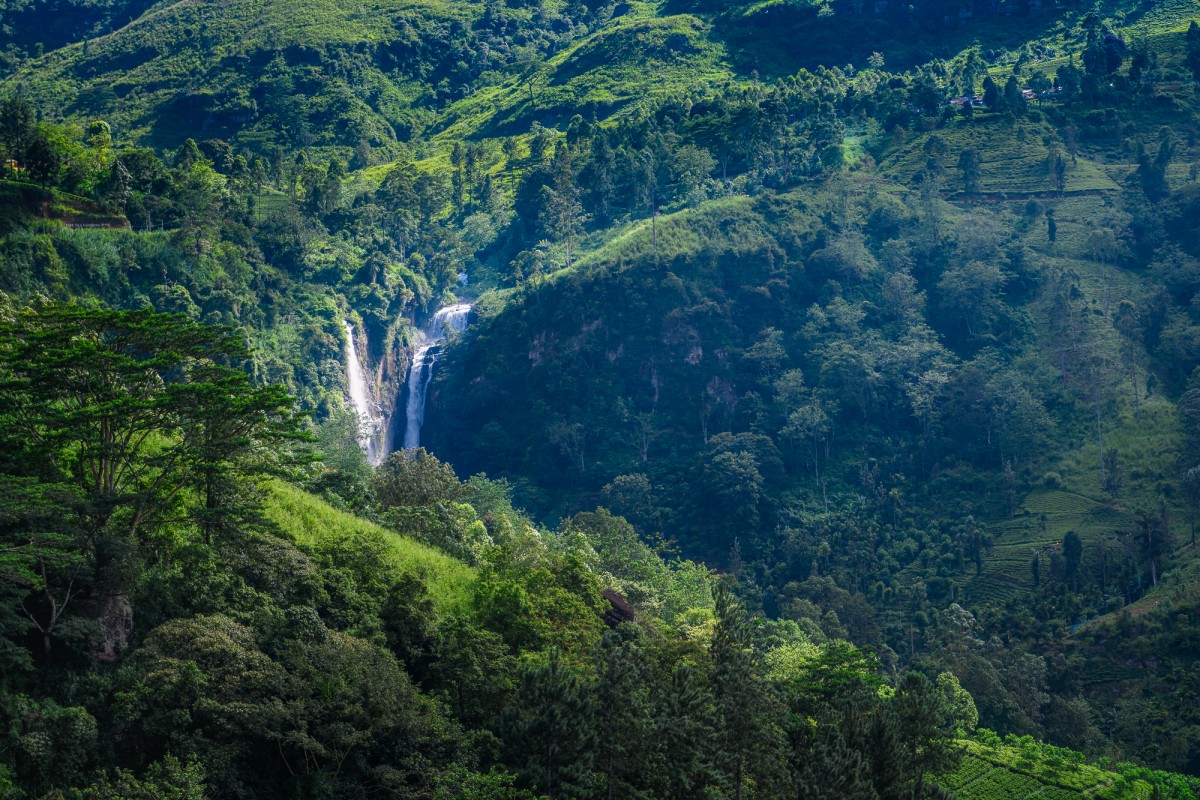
(819, 413)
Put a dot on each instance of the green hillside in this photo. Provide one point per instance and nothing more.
(331, 75)
(184, 67)
(1017, 159)
(1025, 769)
(316, 527)
(810, 411)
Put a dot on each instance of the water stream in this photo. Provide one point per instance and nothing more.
(420, 374)
(372, 424)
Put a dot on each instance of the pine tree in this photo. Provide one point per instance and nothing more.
(601, 167)
(626, 752)
(749, 732)
(835, 770)
(562, 214)
(548, 732)
(1072, 550)
(17, 127)
(927, 740)
(1193, 50)
(686, 722)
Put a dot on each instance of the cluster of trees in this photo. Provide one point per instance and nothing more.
(837, 383)
(823, 384)
(31, 28)
(271, 243)
(336, 91)
(139, 558)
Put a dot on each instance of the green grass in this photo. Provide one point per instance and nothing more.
(1039, 772)
(189, 65)
(312, 523)
(1148, 447)
(1010, 165)
(684, 233)
(613, 72)
(1041, 523)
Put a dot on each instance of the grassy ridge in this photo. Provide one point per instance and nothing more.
(637, 57)
(312, 523)
(196, 66)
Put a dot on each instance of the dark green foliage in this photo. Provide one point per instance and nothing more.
(1193, 50)
(548, 732)
(110, 418)
(17, 129)
(745, 304)
(1152, 171)
(969, 163)
(627, 749)
(918, 709)
(749, 727)
(686, 725)
(836, 770)
(164, 780)
(1072, 550)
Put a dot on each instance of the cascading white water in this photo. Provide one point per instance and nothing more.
(420, 374)
(372, 422)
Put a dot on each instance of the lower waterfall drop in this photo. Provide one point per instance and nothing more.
(373, 442)
(420, 374)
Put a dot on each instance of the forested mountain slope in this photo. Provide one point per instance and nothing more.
(887, 313)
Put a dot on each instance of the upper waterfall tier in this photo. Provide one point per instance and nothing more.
(448, 319)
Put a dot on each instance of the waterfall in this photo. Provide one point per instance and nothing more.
(370, 418)
(420, 374)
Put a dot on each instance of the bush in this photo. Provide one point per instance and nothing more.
(988, 737)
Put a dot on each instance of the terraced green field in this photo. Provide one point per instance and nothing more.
(270, 204)
(1044, 518)
(1010, 165)
(1025, 770)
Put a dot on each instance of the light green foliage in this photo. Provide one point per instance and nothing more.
(168, 779)
(959, 702)
(743, 277)
(462, 784)
(1025, 768)
(422, 498)
(327, 531)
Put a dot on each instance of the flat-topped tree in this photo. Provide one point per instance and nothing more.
(142, 419)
